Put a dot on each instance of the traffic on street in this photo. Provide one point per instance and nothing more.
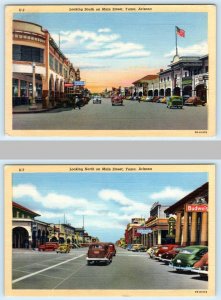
(131, 115)
(128, 270)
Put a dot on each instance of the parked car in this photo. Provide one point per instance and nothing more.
(112, 248)
(185, 97)
(201, 266)
(129, 247)
(97, 100)
(194, 101)
(116, 100)
(99, 252)
(169, 255)
(152, 250)
(149, 99)
(49, 246)
(64, 248)
(164, 100)
(186, 258)
(164, 248)
(135, 247)
(174, 101)
(155, 98)
(143, 98)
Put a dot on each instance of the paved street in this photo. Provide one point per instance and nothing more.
(128, 270)
(132, 116)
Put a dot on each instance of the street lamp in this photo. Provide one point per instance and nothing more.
(33, 103)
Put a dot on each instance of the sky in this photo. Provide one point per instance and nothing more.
(115, 49)
(108, 201)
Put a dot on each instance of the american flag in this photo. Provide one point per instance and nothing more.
(180, 32)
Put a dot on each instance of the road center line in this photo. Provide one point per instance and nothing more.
(43, 270)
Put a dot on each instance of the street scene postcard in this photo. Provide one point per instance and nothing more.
(110, 230)
(110, 70)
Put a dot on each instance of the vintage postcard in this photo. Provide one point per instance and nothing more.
(110, 70)
(110, 230)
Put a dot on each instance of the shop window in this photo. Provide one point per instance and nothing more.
(206, 69)
(168, 78)
(15, 88)
(51, 61)
(56, 65)
(61, 69)
(23, 88)
(26, 53)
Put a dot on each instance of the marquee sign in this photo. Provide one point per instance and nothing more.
(197, 207)
(171, 225)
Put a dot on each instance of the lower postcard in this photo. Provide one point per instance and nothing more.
(110, 230)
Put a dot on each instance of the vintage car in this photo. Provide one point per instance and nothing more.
(169, 255)
(49, 246)
(194, 101)
(151, 250)
(155, 98)
(149, 99)
(174, 101)
(164, 100)
(99, 252)
(112, 248)
(201, 266)
(164, 248)
(129, 247)
(64, 248)
(187, 257)
(116, 100)
(136, 247)
(97, 100)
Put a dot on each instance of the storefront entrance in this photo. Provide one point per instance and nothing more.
(20, 238)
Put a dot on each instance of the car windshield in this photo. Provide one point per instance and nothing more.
(188, 251)
(97, 247)
(164, 248)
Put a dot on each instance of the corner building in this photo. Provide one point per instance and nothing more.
(192, 217)
(33, 47)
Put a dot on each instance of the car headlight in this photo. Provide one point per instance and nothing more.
(160, 255)
(178, 261)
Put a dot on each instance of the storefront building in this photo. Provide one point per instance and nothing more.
(186, 75)
(132, 236)
(157, 223)
(191, 217)
(26, 231)
(40, 69)
(146, 86)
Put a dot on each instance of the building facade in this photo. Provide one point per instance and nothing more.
(37, 56)
(192, 217)
(157, 223)
(26, 230)
(132, 235)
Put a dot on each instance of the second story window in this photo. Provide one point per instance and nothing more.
(26, 53)
(51, 61)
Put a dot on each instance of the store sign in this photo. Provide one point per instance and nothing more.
(79, 83)
(197, 207)
(171, 225)
(144, 231)
(68, 84)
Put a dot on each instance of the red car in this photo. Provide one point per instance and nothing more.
(194, 101)
(99, 252)
(163, 249)
(169, 255)
(112, 248)
(201, 266)
(49, 246)
(117, 100)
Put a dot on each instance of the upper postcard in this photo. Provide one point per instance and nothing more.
(110, 70)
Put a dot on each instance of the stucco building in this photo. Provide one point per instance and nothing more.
(36, 55)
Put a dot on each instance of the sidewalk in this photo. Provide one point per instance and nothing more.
(25, 109)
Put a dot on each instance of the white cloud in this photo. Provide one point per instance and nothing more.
(134, 208)
(173, 193)
(51, 200)
(101, 44)
(104, 30)
(196, 49)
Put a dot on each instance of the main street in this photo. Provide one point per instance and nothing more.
(128, 270)
(131, 116)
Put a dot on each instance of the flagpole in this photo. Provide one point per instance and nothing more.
(176, 41)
